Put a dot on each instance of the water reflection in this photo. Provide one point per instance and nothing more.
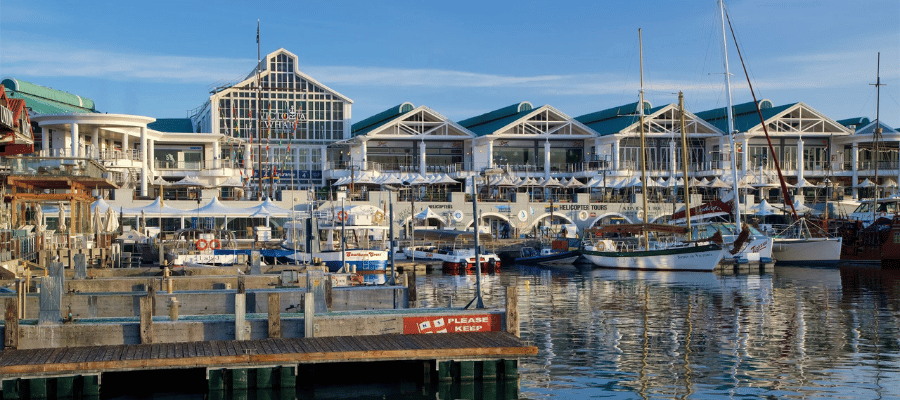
(794, 333)
(798, 332)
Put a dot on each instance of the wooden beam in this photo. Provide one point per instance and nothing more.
(11, 334)
(512, 310)
(274, 315)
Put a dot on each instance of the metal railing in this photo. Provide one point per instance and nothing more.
(54, 166)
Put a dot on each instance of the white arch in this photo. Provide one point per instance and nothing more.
(545, 215)
(490, 214)
(594, 221)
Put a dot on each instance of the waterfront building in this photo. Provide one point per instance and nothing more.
(286, 116)
(295, 132)
(16, 136)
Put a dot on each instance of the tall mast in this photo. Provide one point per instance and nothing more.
(643, 145)
(684, 167)
(877, 132)
(730, 133)
(258, 119)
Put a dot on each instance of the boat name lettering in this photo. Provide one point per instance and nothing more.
(359, 254)
(758, 248)
(584, 207)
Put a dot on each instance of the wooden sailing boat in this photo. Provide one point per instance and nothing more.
(797, 243)
(632, 247)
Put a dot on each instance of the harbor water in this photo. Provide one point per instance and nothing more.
(828, 333)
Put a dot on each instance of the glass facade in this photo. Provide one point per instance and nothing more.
(290, 115)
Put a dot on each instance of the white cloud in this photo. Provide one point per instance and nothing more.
(801, 71)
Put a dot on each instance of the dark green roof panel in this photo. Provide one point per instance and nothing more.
(172, 125)
(745, 116)
(18, 85)
(614, 120)
(856, 123)
(628, 109)
(378, 120)
(502, 113)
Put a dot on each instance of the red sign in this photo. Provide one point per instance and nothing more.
(716, 206)
(452, 324)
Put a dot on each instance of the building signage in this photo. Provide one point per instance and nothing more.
(452, 324)
(580, 207)
(281, 121)
(440, 206)
(295, 174)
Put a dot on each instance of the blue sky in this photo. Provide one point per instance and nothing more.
(462, 58)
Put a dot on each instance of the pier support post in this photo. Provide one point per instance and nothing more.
(146, 320)
(215, 379)
(467, 371)
(287, 376)
(274, 315)
(309, 310)
(489, 370)
(37, 388)
(315, 284)
(11, 335)
(80, 266)
(51, 295)
(411, 292)
(512, 310)
(11, 389)
(240, 317)
(65, 387)
(90, 385)
(255, 263)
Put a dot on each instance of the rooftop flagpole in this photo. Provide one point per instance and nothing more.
(258, 120)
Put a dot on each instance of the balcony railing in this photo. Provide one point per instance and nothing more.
(55, 166)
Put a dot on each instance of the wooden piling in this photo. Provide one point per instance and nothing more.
(411, 292)
(512, 310)
(11, 337)
(146, 320)
(274, 315)
(309, 309)
(240, 316)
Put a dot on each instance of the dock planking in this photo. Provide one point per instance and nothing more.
(247, 353)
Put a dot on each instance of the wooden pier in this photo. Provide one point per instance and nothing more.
(450, 356)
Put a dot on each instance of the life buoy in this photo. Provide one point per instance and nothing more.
(583, 215)
(201, 244)
(215, 244)
(601, 246)
(378, 217)
(497, 264)
(464, 264)
(342, 215)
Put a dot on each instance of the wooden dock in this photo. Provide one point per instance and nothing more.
(495, 352)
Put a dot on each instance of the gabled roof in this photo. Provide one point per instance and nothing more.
(614, 120)
(172, 125)
(855, 123)
(44, 100)
(870, 128)
(745, 116)
(488, 123)
(251, 77)
(378, 120)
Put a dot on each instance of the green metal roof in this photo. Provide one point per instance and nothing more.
(614, 120)
(49, 96)
(488, 123)
(856, 123)
(40, 105)
(378, 120)
(745, 116)
(172, 125)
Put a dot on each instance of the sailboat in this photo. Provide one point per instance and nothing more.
(797, 243)
(741, 243)
(630, 246)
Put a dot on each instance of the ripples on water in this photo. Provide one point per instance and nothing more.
(794, 333)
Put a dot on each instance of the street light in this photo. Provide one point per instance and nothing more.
(391, 189)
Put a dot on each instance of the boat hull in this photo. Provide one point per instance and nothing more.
(694, 258)
(807, 250)
(550, 260)
(371, 264)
